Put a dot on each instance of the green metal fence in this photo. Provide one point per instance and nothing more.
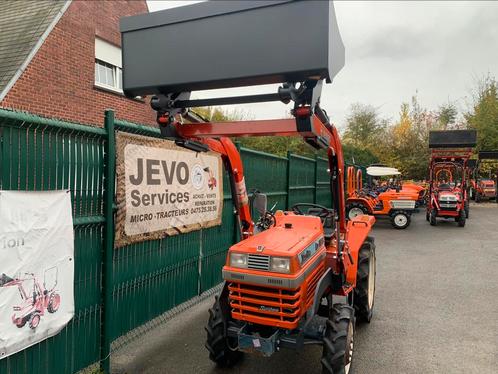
(117, 291)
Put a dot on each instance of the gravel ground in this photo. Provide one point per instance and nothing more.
(436, 311)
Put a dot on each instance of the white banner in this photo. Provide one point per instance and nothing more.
(164, 189)
(36, 267)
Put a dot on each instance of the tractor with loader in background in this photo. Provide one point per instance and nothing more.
(448, 197)
(305, 276)
(390, 202)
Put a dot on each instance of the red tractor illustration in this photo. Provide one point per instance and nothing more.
(35, 299)
(212, 180)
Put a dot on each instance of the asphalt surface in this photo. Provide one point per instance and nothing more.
(436, 311)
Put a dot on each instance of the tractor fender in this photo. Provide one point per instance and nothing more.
(358, 231)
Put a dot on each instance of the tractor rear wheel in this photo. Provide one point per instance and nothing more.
(461, 219)
(338, 340)
(364, 292)
(54, 303)
(222, 349)
(355, 209)
(432, 218)
(400, 219)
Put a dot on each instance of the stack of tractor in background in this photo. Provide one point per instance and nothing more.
(484, 188)
(454, 179)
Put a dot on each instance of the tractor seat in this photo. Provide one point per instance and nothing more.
(444, 187)
(328, 223)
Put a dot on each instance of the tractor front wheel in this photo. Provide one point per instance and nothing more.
(21, 321)
(467, 209)
(355, 209)
(34, 320)
(222, 349)
(432, 218)
(364, 292)
(400, 219)
(478, 197)
(338, 340)
(461, 219)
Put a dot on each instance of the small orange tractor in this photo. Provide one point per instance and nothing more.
(451, 150)
(483, 188)
(391, 202)
(306, 275)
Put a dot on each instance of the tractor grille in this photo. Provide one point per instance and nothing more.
(265, 305)
(258, 262)
(274, 306)
(448, 205)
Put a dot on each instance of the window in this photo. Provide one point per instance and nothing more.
(108, 73)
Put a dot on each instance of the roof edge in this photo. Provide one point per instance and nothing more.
(35, 49)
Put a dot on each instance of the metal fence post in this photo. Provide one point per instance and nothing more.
(107, 268)
(316, 180)
(287, 198)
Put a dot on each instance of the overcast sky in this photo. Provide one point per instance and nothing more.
(395, 49)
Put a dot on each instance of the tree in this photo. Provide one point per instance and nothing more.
(363, 126)
(405, 143)
(446, 116)
(483, 115)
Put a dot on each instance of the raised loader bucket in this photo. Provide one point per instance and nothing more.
(488, 155)
(220, 44)
(453, 139)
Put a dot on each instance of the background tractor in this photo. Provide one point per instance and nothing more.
(380, 201)
(451, 150)
(304, 276)
(482, 188)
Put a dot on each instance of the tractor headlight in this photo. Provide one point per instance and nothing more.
(280, 264)
(238, 260)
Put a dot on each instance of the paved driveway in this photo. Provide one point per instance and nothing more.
(436, 311)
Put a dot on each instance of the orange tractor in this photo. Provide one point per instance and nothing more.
(305, 276)
(394, 203)
(448, 198)
(483, 188)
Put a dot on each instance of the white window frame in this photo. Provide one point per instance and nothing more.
(116, 72)
(110, 55)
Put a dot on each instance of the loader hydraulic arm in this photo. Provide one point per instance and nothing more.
(314, 127)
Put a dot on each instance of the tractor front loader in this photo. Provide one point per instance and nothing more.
(304, 276)
(448, 173)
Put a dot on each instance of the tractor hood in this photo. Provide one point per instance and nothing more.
(291, 234)
(449, 195)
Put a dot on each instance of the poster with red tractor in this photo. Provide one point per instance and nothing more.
(36, 267)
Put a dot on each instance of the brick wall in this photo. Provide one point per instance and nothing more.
(59, 81)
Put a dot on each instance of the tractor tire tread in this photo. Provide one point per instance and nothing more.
(335, 339)
(362, 310)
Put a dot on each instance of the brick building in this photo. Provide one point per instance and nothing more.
(62, 59)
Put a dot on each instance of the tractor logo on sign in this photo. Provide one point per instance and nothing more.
(197, 177)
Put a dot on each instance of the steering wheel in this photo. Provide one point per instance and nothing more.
(324, 212)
